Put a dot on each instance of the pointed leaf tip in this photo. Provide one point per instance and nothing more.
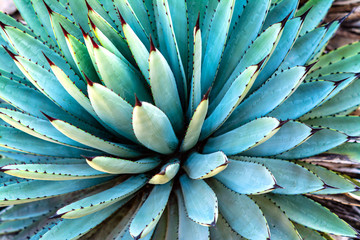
(121, 18)
(283, 122)
(51, 63)
(137, 102)
(326, 186)
(12, 55)
(337, 83)
(95, 45)
(89, 82)
(50, 11)
(2, 25)
(303, 16)
(197, 25)
(48, 117)
(284, 21)
(93, 26)
(66, 33)
(308, 67)
(315, 130)
(152, 46)
(83, 32)
(262, 62)
(56, 216)
(88, 158)
(206, 96)
(277, 186)
(88, 6)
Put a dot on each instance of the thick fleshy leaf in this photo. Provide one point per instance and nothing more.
(319, 142)
(122, 166)
(200, 166)
(91, 140)
(121, 192)
(304, 99)
(246, 177)
(214, 43)
(150, 212)
(293, 178)
(260, 102)
(338, 183)
(312, 215)
(75, 228)
(290, 135)
(349, 125)
(307, 233)
(153, 129)
(194, 128)
(200, 201)
(161, 77)
(235, 94)
(56, 172)
(244, 137)
(189, 229)
(25, 190)
(223, 230)
(348, 149)
(112, 109)
(241, 213)
(280, 226)
(119, 76)
(166, 173)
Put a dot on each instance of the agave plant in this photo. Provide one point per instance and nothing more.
(173, 119)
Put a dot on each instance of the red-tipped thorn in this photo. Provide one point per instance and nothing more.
(89, 82)
(262, 62)
(51, 63)
(12, 55)
(88, 6)
(93, 26)
(337, 83)
(326, 186)
(48, 8)
(197, 25)
(206, 95)
(283, 122)
(121, 18)
(152, 46)
(137, 102)
(85, 35)
(66, 33)
(48, 117)
(95, 45)
(55, 216)
(88, 158)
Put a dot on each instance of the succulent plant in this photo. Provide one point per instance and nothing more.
(173, 119)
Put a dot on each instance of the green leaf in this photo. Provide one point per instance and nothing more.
(188, 229)
(122, 166)
(91, 140)
(26, 190)
(194, 128)
(307, 233)
(201, 166)
(320, 142)
(280, 226)
(290, 135)
(122, 192)
(56, 172)
(215, 42)
(167, 172)
(244, 137)
(338, 183)
(161, 77)
(227, 105)
(304, 99)
(246, 177)
(200, 201)
(312, 215)
(150, 212)
(153, 129)
(349, 125)
(241, 213)
(112, 109)
(348, 149)
(75, 228)
(292, 177)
